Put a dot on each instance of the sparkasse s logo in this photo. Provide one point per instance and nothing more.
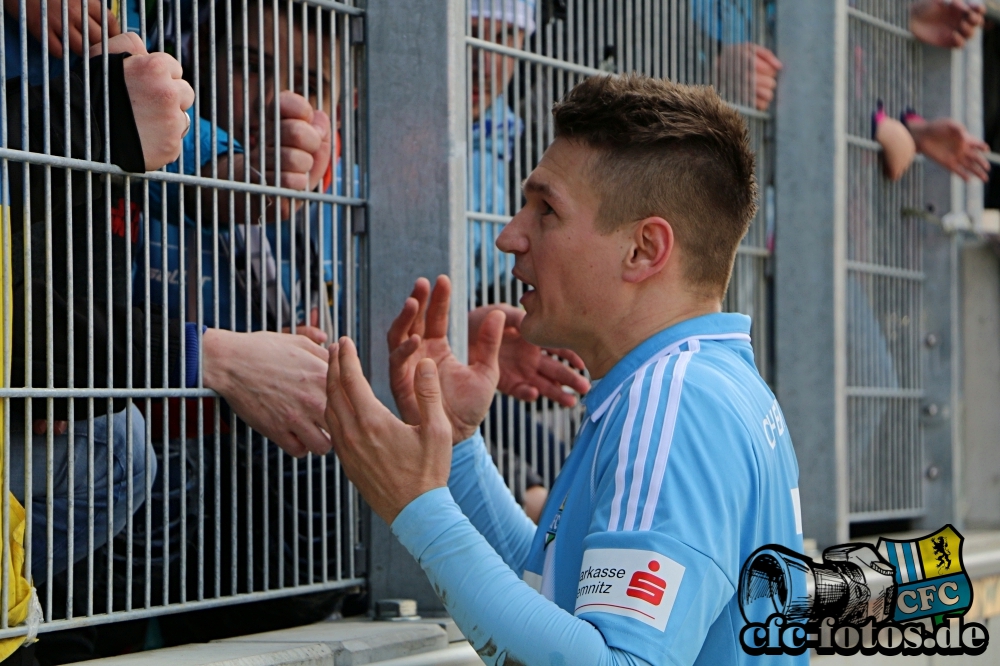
(640, 584)
(902, 597)
(647, 586)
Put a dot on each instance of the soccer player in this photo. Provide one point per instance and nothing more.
(684, 465)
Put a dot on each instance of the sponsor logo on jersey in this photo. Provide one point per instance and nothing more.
(638, 584)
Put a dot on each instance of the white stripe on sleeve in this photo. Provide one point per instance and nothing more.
(639, 466)
(666, 438)
(634, 396)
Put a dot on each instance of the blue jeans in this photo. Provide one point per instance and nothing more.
(61, 487)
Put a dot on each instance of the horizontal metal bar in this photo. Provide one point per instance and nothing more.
(861, 142)
(106, 393)
(338, 7)
(202, 181)
(535, 58)
(136, 614)
(876, 392)
(753, 251)
(855, 13)
(890, 514)
(993, 157)
(487, 217)
(886, 271)
(546, 61)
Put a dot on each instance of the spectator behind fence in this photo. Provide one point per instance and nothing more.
(526, 372)
(158, 99)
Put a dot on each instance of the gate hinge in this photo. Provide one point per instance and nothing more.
(357, 30)
(359, 220)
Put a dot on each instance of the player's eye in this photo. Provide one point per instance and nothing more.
(547, 209)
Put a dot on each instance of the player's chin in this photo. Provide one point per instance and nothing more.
(537, 329)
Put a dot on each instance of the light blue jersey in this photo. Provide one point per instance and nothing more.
(683, 468)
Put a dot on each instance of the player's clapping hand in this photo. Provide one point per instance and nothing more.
(369, 440)
(421, 331)
(77, 23)
(945, 23)
(527, 371)
(160, 98)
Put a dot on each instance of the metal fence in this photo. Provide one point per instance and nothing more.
(518, 66)
(156, 499)
(884, 272)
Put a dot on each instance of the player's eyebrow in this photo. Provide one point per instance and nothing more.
(541, 188)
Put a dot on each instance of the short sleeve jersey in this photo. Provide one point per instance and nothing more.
(682, 469)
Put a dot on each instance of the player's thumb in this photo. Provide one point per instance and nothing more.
(434, 424)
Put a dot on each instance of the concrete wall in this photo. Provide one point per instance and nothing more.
(980, 490)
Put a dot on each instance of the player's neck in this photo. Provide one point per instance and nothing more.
(637, 324)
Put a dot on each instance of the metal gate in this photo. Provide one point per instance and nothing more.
(192, 509)
(883, 280)
(523, 57)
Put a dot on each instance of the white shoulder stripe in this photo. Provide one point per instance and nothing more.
(666, 438)
(634, 396)
(642, 451)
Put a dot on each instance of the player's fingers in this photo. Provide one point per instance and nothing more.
(355, 386)
(437, 310)
(402, 352)
(400, 329)
(345, 422)
(489, 339)
(421, 292)
(434, 425)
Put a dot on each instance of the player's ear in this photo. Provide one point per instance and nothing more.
(651, 245)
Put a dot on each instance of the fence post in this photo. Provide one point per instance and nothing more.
(809, 285)
(417, 130)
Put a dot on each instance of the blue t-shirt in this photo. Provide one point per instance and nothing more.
(683, 469)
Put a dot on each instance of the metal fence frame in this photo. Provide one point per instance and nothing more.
(341, 25)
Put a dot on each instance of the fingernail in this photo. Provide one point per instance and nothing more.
(426, 369)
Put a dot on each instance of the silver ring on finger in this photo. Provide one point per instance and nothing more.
(188, 128)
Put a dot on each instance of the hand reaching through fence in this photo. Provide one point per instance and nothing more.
(945, 23)
(948, 143)
(160, 98)
(421, 331)
(748, 74)
(898, 147)
(74, 9)
(527, 371)
(273, 381)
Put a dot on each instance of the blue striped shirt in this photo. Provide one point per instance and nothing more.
(683, 468)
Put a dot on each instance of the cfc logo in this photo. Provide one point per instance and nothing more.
(636, 584)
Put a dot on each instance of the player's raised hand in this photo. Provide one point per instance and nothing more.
(421, 331)
(369, 440)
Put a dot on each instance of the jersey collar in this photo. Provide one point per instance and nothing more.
(722, 325)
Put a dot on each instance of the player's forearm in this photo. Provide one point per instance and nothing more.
(499, 613)
(483, 497)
